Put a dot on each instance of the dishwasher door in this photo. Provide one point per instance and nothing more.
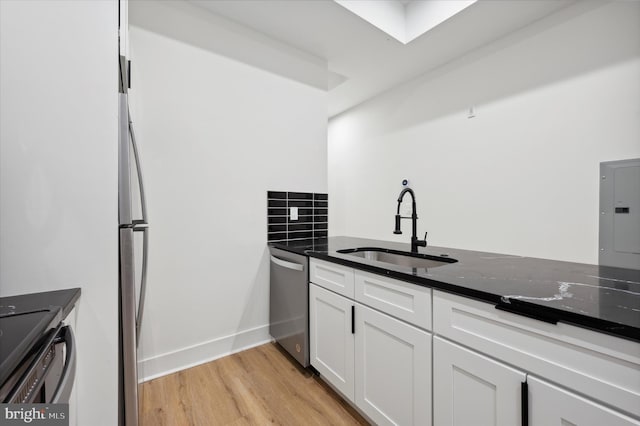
(289, 303)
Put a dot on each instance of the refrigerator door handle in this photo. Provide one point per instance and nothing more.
(136, 156)
(140, 226)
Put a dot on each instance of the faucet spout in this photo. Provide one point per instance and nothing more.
(415, 243)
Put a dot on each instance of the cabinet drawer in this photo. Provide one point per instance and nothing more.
(332, 276)
(601, 366)
(408, 302)
(551, 405)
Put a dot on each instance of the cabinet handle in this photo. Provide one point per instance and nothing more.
(524, 398)
(353, 319)
(526, 311)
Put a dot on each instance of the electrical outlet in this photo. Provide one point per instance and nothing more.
(293, 213)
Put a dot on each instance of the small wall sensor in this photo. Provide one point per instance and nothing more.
(405, 182)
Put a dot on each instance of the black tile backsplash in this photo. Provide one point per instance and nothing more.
(293, 226)
(299, 196)
(277, 203)
(301, 219)
(312, 215)
(277, 228)
(320, 226)
(276, 236)
(299, 235)
(297, 203)
(275, 194)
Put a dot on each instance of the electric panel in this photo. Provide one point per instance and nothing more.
(620, 214)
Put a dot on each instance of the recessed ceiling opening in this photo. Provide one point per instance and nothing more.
(405, 20)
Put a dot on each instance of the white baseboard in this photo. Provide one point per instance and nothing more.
(190, 356)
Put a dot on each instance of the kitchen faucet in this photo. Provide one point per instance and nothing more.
(415, 242)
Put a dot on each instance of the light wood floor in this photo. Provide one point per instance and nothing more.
(255, 387)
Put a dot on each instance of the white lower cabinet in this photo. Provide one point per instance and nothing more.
(473, 390)
(393, 369)
(381, 364)
(485, 363)
(551, 405)
(331, 339)
(596, 377)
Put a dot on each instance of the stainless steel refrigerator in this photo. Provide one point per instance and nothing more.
(132, 286)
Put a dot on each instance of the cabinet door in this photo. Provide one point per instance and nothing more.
(331, 338)
(471, 389)
(550, 405)
(393, 369)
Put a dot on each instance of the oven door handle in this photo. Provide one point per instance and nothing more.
(63, 390)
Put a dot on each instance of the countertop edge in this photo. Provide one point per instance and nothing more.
(548, 314)
(77, 292)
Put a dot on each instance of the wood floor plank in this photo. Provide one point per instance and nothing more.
(259, 386)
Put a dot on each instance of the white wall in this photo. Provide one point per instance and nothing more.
(551, 101)
(58, 174)
(215, 134)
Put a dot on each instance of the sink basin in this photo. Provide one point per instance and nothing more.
(396, 257)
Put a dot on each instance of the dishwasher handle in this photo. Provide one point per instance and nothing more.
(287, 264)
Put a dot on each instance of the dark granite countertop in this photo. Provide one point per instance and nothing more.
(25, 319)
(605, 299)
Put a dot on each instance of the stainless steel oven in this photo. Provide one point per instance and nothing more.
(289, 303)
(46, 374)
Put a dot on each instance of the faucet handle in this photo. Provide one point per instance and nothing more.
(421, 243)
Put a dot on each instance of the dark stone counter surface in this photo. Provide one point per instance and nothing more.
(601, 298)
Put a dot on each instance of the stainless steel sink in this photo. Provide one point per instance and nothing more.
(396, 257)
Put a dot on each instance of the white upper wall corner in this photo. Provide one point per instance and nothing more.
(189, 22)
(405, 20)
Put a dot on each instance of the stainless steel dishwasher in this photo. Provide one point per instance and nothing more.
(289, 303)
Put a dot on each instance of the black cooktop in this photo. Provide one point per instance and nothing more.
(25, 321)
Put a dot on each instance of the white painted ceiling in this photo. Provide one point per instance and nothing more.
(362, 60)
